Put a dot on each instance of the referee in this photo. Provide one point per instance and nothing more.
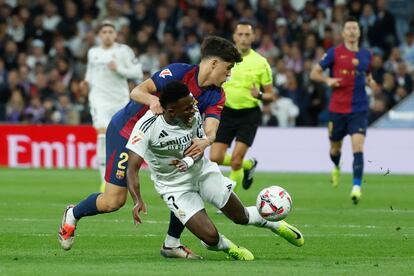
(250, 84)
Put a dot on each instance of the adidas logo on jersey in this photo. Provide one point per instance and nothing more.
(165, 72)
(163, 134)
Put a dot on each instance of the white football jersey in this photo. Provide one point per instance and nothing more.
(106, 87)
(159, 143)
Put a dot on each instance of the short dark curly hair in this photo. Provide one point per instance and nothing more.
(215, 46)
(172, 92)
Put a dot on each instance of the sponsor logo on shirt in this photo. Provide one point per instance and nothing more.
(138, 137)
(165, 72)
(120, 174)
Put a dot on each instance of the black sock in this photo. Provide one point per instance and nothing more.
(335, 159)
(176, 227)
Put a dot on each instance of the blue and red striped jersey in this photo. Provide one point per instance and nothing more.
(351, 68)
(210, 100)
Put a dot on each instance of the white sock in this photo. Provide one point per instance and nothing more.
(70, 218)
(171, 241)
(101, 154)
(257, 220)
(222, 245)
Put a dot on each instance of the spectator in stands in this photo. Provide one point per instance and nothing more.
(15, 106)
(34, 113)
(285, 111)
(407, 50)
(65, 29)
(268, 118)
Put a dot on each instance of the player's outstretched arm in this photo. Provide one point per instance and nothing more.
(143, 94)
(129, 67)
(198, 146)
(371, 82)
(317, 75)
(134, 164)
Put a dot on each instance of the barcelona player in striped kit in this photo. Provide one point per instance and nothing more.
(348, 109)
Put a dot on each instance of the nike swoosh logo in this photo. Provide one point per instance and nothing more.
(298, 235)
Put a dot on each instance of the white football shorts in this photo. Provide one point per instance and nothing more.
(102, 115)
(211, 186)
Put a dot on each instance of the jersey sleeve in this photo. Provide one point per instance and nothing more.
(88, 75)
(174, 71)
(139, 139)
(214, 110)
(266, 77)
(128, 65)
(328, 58)
(198, 128)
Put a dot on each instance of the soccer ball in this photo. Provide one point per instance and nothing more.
(274, 203)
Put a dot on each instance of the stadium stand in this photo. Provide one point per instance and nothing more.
(43, 47)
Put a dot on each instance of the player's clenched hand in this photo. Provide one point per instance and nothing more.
(112, 65)
(254, 92)
(179, 164)
(84, 86)
(197, 148)
(333, 82)
(155, 106)
(139, 207)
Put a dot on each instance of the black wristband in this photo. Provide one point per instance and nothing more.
(260, 96)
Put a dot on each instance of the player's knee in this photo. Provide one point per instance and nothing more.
(114, 204)
(217, 158)
(236, 163)
(211, 237)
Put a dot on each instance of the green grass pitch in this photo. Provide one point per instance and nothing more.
(375, 237)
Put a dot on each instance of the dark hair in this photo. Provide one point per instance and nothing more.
(214, 46)
(350, 19)
(105, 23)
(172, 92)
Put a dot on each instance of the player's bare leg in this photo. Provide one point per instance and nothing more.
(358, 141)
(238, 161)
(335, 154)
(218, 152)
(242, 170)
(111, 200)
(203, 228)
(239, 214)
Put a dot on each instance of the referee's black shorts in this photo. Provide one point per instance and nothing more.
(241, 124)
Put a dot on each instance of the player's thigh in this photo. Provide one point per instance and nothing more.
(238, 154)
(203, 228)
(116, 157)
(184, 204)
(249, 122)
(214, 188)
(114, 196)
(337, 127)
(218, 151)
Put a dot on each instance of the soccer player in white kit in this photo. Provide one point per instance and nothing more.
(109, 67)
(185, 183)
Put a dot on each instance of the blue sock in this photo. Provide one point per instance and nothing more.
(335, 159)
(176, 227)
(87, 207)
(358, 167)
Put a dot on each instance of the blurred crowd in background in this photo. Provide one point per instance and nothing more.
(43, 47)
